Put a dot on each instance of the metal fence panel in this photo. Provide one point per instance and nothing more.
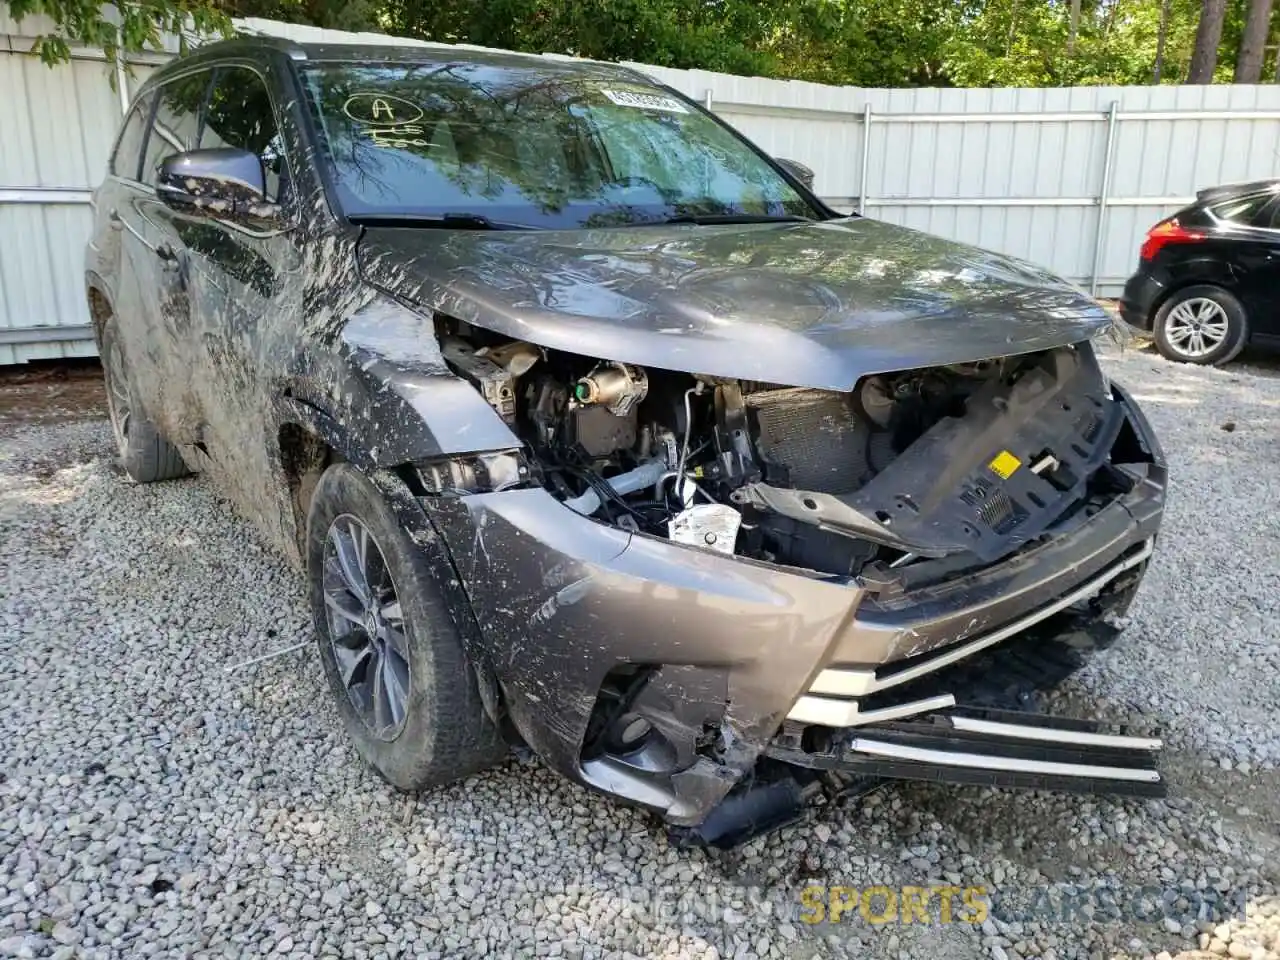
(1024, 172)
(57, 126)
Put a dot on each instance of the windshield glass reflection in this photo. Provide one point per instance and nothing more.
(521, 146)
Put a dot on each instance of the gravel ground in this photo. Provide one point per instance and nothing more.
(158, 799)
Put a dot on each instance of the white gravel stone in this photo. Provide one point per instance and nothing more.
(1205, 628)
(154, 803)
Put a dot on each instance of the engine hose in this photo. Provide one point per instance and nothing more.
(645, 475)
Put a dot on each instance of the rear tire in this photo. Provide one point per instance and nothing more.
(1203, 324)
(145, 455)
(403, 683)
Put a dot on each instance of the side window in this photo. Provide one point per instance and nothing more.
(240, 116)
(176, 123)
(124, 160)
(1242, 210)
(1269, 218)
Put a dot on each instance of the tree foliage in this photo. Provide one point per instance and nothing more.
(135, 25)
(859, 42)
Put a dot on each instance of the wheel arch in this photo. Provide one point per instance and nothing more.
(100, 304)
(304, 456)
(1183, 285)
(1196, 273)
(309, 439)
(311, 442)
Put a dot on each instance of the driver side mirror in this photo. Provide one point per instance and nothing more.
(796, 169)
(221, 184)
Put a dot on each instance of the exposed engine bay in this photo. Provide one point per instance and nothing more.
(936, 469)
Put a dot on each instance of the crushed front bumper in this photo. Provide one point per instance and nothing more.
(722, 655)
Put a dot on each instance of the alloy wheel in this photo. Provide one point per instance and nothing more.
(1196, 327)
(366, 627)
(117, 384)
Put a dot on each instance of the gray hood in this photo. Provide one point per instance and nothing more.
(816, 305)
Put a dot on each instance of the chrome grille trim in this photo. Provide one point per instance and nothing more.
(860, 683)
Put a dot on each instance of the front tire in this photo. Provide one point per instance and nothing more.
(145, 455)
(394, 659)
(1201, 324)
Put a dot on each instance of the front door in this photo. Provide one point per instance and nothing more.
(245, 294)
(160, 261)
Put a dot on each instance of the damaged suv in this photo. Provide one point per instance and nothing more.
(596, 431)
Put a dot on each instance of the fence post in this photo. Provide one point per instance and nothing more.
(1103, 196)
(707, 99)
(866, 157)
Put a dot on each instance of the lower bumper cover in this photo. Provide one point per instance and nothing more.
(987, 730)
(723, 649)
(993, 748)
(732, 648)
(562, 602)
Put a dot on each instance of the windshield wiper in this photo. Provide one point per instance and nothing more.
(444, 221)
(709, 219)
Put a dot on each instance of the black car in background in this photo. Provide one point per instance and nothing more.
(1208, 281)
(594, 430)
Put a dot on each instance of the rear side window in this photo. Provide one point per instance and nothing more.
(177, 121)
(1246, 211)
(124, 161)
(239, 115)
(1269, 219)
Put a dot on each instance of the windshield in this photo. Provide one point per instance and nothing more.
(532, 146)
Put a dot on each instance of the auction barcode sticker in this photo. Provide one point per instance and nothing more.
(645, 101)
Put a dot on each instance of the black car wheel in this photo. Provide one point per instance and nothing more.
(145, 455)
(1201, 324)
(393, 656)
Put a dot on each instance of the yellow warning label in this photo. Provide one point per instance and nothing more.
(1004, 464)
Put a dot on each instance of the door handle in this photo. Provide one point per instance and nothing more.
(172, 264)
(169, 258)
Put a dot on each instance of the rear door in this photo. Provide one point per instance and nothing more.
(158, 257)
(106, 256)
(1247, 238)
(1260, 272)
(246, 294)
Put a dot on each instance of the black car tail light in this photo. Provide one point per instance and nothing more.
(1164, 233)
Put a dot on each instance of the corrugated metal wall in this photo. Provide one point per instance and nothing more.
(56, 130)
(1020, 171)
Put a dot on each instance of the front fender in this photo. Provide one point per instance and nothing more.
(422, 530)
(382, 395)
